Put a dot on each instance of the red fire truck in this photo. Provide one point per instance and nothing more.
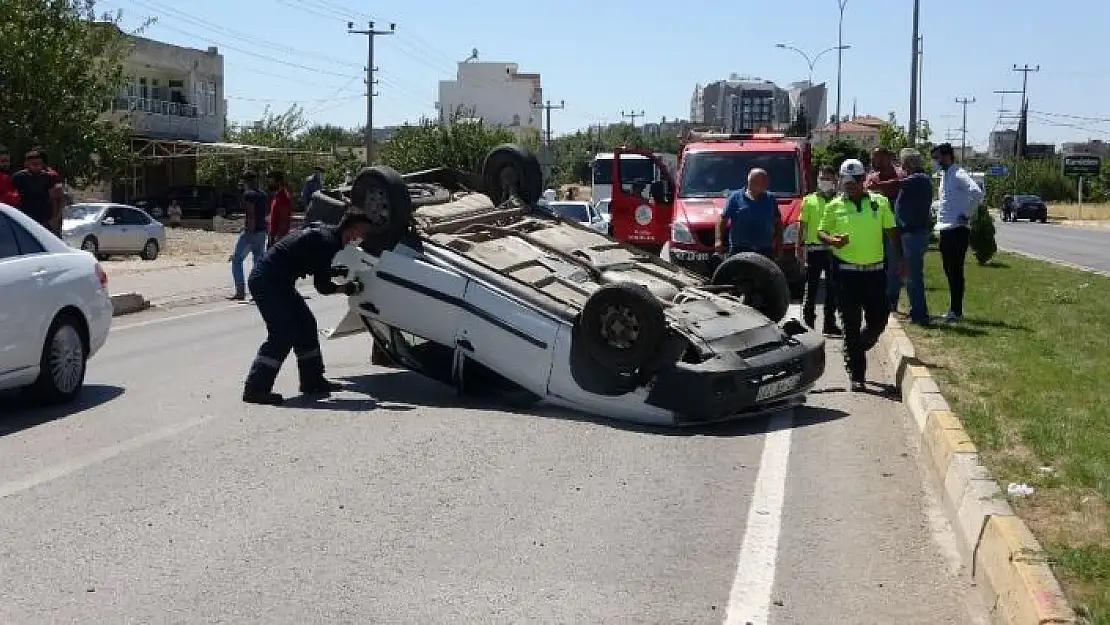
(712, 165)
(641, 203)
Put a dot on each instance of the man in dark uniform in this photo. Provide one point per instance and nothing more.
(290, 324)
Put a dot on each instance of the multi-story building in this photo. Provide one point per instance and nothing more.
(1094, 147)
(811, 100)
(173, 92)
(863, 129)
(741, 104)
(665, 127)
(497, 93)
(1002, 143)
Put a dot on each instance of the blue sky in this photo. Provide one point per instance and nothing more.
(604, 57)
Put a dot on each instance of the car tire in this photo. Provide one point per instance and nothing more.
(1044, 220)
(92, 246)
(150, 250)
(758, 281)
(380, 357)
(63, 361)
(381, 194)
(511, 170)
(622, 308)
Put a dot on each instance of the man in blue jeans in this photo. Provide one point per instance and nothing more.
(252, 238)
(912, 214)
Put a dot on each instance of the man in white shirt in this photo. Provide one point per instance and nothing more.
(959, 198)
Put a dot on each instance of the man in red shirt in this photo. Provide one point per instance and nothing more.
(887, 180)
(281, 208)
(8, 194)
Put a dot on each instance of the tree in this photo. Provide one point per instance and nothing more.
(983, 244)
(892, 136)
(461, 145)
(61, 65)
(839, 150)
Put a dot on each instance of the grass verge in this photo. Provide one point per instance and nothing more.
(1028, 372)
(1096, 212)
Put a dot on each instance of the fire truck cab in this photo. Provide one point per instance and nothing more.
(642, 196)
(711, 166)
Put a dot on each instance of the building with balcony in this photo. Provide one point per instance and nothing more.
(173, 92)
(741, 104)
(497, 93)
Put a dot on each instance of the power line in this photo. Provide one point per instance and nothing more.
(547, 108)
(1023, 125)
(370, 34)
(632, 115)
(963, 128)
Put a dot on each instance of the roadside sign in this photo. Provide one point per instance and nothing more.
(998, 170)
(1082, 165)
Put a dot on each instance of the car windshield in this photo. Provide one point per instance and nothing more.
(632, 168)
(571, 210)
(1027, 198)
(81, 212)
(706, 174)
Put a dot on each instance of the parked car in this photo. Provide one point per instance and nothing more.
(103, 229)
(581, 212)
(1029, 207)
(492, 294)
(602, 208)
(55, 313)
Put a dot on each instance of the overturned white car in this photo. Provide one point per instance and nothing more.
(466, 281)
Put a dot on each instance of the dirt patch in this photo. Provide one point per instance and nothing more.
(184, 248)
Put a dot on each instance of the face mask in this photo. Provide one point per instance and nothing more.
(937, 165)
(826, 186)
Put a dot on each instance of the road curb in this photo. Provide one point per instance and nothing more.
(1059, 263)
(127, 303)
(1004, 557)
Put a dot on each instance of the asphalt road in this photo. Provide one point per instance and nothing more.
(1086, 247)
(162, 498)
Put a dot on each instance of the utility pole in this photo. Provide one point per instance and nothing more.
(839, 59)
(963, 127)
(548, 108)
(911, 131)
(1023, 125)
(370, 34)
(633, 115)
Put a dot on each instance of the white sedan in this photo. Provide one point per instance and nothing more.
(55, 313)
(582, 212)
(103, 229)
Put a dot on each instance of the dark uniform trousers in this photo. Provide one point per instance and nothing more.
(290, 325)
(819, 260)
(864, 311)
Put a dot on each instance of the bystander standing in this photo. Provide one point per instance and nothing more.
(314, 183)
(39, 191)
(815, 254)
(749, 220)
(252, 238)
(912, 214)
(8, 194)
(281, 208)
(174, 213)
(886, 180)
(960, 195)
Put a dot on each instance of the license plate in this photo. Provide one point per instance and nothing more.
(778, 387)
(688, 255)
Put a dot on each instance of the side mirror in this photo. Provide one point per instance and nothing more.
(108, 221)
(659, 191)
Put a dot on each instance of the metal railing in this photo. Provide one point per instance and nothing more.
(155, 107)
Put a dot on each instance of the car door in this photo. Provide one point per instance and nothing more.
(133, 229)
(509, 337)
(111, 230)
(416, 296)
(24, 276)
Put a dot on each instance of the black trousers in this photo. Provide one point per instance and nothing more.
(290, 325)
(819, 262)
(864, 312)
(953, 252)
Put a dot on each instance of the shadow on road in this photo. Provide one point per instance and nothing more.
(404, 390)
(27, 413)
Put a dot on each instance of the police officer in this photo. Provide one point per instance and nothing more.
(855, 225)
(816, 254)
(289, 322)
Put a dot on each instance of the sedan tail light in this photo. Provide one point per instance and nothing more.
(101, 276)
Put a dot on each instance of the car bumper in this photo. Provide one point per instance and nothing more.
(695, 261)
(731, 386)
(100, 322)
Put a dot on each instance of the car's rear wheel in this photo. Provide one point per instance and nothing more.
(758, 281)
(91, 245)
(63, 361)
(150, 250)
(384, 197)
(623, 326)
(510, 170)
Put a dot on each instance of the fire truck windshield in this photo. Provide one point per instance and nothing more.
(632, 168)
(706, 174)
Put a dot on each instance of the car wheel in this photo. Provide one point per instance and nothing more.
(63, 360)
(1044, 219)
(380, 357)
(758, 281)
(510, 170)
(150, 250)
(91, 245)
(381, 193)
(623, 326)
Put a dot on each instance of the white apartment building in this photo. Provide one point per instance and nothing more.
(173, 92)
(495, 92)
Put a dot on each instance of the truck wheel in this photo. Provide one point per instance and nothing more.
(511, 170)
(384, 197)
(758, 281)
(325, 209)
(623, 326)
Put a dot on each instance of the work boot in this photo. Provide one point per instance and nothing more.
(237, 297)
(857, 386)
(262, 398)
(832, 331)
(321, 386)
(810, 319)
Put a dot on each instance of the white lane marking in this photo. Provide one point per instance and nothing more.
(52, 473)
(749, 602)
(151, 322)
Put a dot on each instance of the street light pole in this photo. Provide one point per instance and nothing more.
(812, 62)
(839, 60)
(911, 131)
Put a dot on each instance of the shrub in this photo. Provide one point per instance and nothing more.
(983, 244)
